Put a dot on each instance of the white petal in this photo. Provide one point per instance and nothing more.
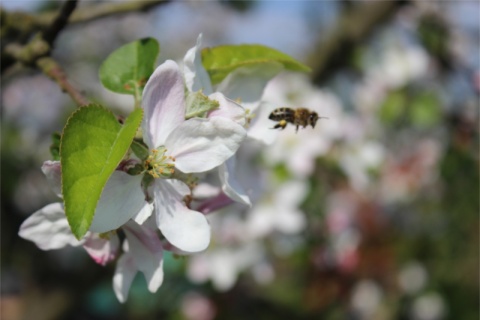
(122, 198)
(53, 172)
(102, 250)
(227, 109)
(147, 252)
(48, 228)
(144, 213)
(260, 128)
(246, 84)
(199, 145)
(230, 186)
(186, 229)
(196, 77)
(163, 103)
(125, 272)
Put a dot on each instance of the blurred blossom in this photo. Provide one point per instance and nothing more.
(404, 174)
(429, 307)
(412, 277)
(344, 237)
(358, 159)
(278, 211)
(366, 299)
(196, 306)
(223, 265)
(399, 63)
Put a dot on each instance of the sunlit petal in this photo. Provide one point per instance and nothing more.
(199, 145)
(228, 109)
(48, 228)
(186, 229)
(196, 77)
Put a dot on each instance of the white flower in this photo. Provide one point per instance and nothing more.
(245, 85)
(48, 228)
(194, 145)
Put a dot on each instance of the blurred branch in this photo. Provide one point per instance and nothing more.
(18, 27)
(28, 39)
(51, 33)
(356, 24)
(52, 69)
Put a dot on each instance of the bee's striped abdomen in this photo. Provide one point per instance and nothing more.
(286, 114)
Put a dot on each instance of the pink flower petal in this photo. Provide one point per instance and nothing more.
(163, 103)
(102, 250)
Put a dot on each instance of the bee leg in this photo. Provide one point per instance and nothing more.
(296, 130)
(282, 124)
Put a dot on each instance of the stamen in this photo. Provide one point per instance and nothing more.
(159, 165)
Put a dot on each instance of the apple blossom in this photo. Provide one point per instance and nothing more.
(176, 145)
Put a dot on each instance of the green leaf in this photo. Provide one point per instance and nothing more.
(198, 105)
(220, 61)
(55, 146)
(140, 150)
(93, 144)
(127, 69)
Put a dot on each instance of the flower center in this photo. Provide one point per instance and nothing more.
(159, 165)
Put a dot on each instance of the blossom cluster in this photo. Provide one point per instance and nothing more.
(151, 205)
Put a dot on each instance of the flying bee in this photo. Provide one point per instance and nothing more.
(298, 117)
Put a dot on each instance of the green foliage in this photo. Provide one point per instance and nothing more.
(55, 146)
(220, 61)
(424, 110)
(411, 107)
(198, 105)
(93, 143)
(127, 69)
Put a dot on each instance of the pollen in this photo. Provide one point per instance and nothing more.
(160, 165)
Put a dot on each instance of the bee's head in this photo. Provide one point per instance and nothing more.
(312, 119)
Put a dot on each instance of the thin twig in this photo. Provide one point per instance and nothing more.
(53, 70)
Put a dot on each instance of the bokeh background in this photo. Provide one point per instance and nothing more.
(374, 214)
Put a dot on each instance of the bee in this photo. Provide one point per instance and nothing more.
(298, 117)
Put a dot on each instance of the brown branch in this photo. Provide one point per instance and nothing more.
(18, 27)
(55, 72)
(60, 22)
(356, 25)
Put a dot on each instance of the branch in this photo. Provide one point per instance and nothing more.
(18, 27)
(90, 13)
(51, 33)
(356, 25)
(55, 72)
